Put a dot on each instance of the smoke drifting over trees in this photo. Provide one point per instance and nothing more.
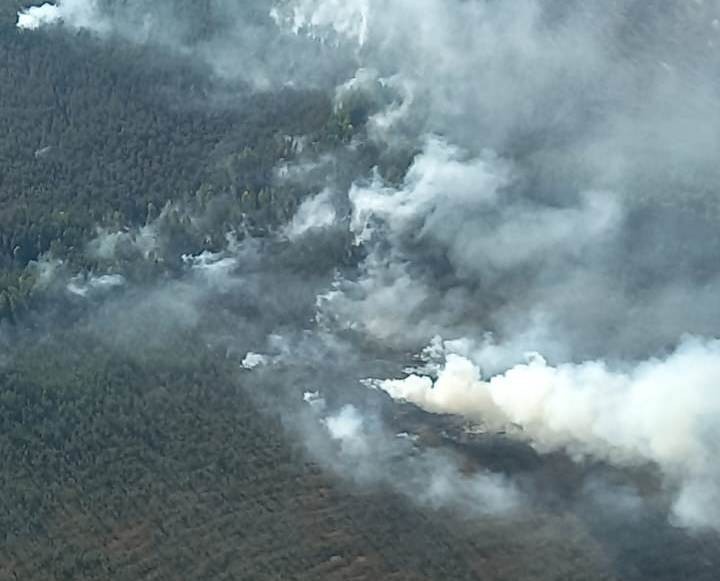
(478, 271)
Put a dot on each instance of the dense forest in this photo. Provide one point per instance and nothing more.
(104, 136)
(135, 441)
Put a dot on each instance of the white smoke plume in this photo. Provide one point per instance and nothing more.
(662, 411)
(346, 19)
(78, 14)
(37, 16)
(456, 213)
(253, 360)
(315, 213)
(108, 245)
(83, 286)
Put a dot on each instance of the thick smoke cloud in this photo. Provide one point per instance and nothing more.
(561, 202)
(602, 154)
(662, 411)
(559, 199)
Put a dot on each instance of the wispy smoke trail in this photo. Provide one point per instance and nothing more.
(360, 447)
(245, 43)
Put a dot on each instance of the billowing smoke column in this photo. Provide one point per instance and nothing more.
(662, 411)
(560, 200)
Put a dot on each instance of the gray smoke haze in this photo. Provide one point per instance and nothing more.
(361, 447)
(560, 199)
(235, 40)
(594, 140)
(562, 202)
(254, 302)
